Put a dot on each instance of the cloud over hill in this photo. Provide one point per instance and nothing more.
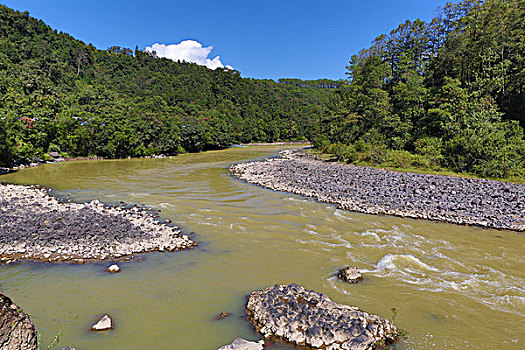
(189, 51)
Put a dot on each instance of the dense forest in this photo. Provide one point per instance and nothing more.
(445, 94)
(58, 94)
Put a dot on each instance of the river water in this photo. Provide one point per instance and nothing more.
(453, 287)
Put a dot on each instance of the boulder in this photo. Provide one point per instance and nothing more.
(54, 154)
(17, 332)
(350, 274)
(103, 324)
(113, 268)
(307, 318)
(242, 344)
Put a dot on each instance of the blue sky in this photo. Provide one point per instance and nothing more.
(262, 39)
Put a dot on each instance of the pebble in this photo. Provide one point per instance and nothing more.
(222, 315)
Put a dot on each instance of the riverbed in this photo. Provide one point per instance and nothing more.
(452, 286)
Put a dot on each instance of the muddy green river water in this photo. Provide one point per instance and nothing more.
(454, 287)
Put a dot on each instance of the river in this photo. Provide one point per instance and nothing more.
(454, 287)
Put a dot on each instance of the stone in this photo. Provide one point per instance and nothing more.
(222, 315)
(307, 318)
(350, 274)
(17, 332)
(113, 268)
(67, 348)
(103, 324)
(242, 344)
(54, 154)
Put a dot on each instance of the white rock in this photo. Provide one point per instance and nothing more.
(113, 268)
(103, 324)
(241, 344)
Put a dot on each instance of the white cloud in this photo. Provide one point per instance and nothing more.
(189, 51)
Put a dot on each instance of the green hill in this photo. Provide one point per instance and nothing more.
(59, 94)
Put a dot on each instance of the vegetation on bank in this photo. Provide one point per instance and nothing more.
(448, 94)
(58, 94)
(402, 161)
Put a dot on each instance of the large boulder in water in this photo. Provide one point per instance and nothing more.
(17, 332)
(307, 318)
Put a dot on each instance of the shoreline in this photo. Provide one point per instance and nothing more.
(32, 164)
(36, 226)
(457, 200)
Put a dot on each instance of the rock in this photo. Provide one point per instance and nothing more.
(242, 344)
(307, 318)
(222, 315)
(113, 268)
(350, 274)
(67, 348)
(17, 332)
(103, 324)
(54, 154)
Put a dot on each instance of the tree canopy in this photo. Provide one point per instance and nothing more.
(448, 93)
(59, 94)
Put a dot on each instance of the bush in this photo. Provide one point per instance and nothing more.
(53, 148)
(430, 148)
(491, 150)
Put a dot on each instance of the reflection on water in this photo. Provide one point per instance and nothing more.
(454, 287)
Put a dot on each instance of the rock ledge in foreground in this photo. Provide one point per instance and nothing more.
(307, 318)
(17, 332)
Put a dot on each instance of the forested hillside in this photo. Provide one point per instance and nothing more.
(445, 94)
(59, 94)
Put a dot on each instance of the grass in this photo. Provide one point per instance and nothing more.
(412, 169)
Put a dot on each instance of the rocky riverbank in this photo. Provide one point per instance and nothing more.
(37, 226)
(465, 201)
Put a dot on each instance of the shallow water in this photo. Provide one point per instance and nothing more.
(454, 287)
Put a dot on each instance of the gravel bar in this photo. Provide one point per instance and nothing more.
(37, 226)
(458, 200)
